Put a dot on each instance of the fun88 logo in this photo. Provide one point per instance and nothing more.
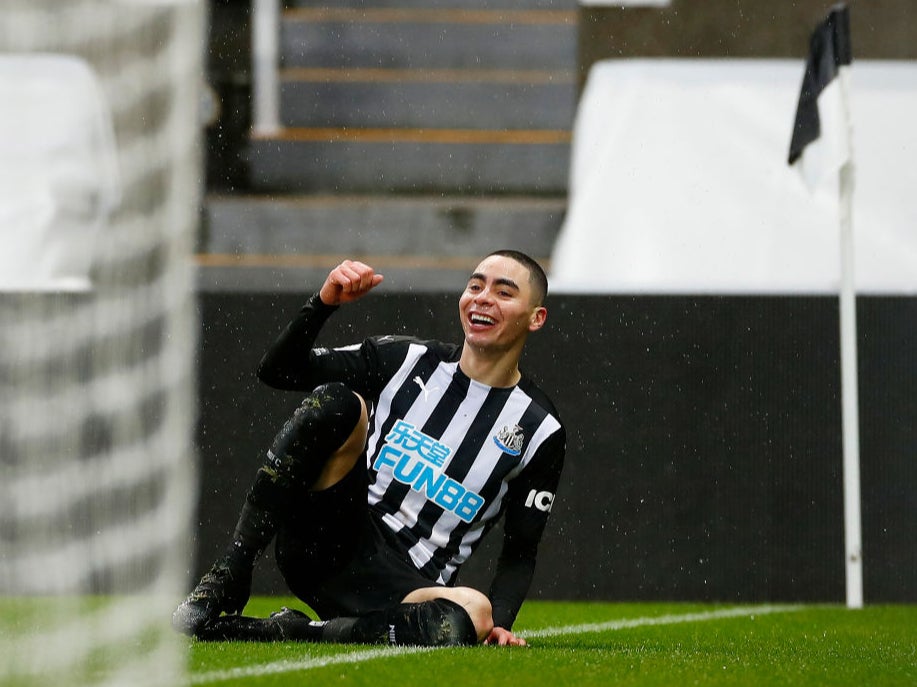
(416, 459)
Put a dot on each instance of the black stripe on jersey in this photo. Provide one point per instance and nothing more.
(530, 422)
(448, 405)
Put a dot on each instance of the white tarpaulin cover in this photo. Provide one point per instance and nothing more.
(58, 171)
(680, 184)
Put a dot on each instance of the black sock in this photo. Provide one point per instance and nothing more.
(254, 531)
(439, 622)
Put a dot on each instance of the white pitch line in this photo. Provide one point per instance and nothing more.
(626, 623)
(278, 667)
(307, 664)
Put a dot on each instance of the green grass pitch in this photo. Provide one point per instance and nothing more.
(583, 644)
(601, 644)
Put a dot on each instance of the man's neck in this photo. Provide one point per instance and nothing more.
(493, 370)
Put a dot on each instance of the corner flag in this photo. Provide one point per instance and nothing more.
(820, 142)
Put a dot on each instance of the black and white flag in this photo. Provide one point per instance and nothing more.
(821, 138)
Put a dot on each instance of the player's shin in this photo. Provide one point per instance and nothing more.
(322, 423)
(439, 622)
(254, 531)
(297, 456)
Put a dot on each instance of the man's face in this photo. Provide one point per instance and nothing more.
(497, 309)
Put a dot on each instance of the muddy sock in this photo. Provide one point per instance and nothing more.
(439, 622)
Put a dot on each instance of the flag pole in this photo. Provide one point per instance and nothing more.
(823, 139)
(850, 413)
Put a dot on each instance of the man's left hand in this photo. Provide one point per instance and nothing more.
(502, 637)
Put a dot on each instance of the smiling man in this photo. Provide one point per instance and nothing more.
(402, 457)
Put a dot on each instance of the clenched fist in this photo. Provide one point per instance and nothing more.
(347, 282)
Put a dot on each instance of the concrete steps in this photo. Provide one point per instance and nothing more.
(466, 161)
(422, 99)
(418, 134)
(370, 97)
(432, 38)
(420, 243)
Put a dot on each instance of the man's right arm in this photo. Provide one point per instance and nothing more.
(290, 362)
(285, 365)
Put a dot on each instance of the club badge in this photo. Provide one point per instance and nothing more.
(510, 439)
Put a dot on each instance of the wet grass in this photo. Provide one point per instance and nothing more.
(588, 644)
(581, 644)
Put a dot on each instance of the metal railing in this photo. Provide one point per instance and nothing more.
(265, 67)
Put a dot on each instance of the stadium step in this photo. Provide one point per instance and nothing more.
(428, 98)
(432, 38)
(420, 243)
(470, 161)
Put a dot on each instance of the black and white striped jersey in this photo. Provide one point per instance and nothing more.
(447, 456)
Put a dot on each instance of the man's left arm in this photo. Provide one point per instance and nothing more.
(529, 503)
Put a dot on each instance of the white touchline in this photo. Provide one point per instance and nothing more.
(625, 623)
(391, 652)
(307, 664)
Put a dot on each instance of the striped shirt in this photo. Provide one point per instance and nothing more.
(447, 456)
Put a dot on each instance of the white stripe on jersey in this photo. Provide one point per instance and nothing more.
(384, 409)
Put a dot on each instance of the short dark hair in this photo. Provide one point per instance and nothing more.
(537, 278)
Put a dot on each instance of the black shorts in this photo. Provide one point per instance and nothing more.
(339, 558)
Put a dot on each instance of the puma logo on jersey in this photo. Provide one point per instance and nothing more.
(423, 387)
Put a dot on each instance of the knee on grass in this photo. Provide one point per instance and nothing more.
(442, 622)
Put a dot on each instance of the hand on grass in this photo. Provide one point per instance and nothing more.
(501, 637)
